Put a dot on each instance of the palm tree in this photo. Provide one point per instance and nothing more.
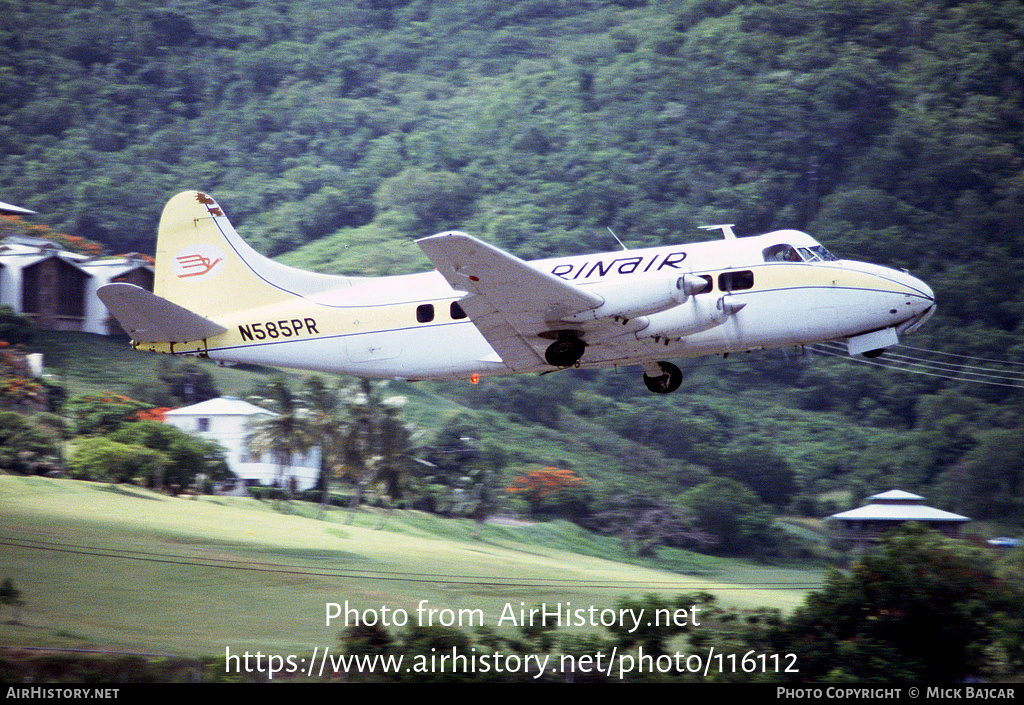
(287, 432)
(327, 427)
(377, 447)
(359, 458)
(394, 444)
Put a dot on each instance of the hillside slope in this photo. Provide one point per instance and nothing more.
(122, 568)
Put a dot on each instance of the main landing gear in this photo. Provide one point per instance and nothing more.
(567, 348)
(662, 377)
(566, 351)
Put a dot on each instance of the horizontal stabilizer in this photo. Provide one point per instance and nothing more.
(148, 318)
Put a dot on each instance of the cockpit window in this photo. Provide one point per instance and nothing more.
(817, 254)
(781, 253)
(823, 254)
(787, 253)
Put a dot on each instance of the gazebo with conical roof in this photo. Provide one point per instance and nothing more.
(889, 510)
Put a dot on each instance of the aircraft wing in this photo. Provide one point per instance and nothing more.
(148, 318)
(508, 300)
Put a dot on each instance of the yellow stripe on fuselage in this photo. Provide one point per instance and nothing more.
(781, 276)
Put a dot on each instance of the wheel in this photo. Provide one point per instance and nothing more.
(667, 382)
(872, 354)
(565, 352)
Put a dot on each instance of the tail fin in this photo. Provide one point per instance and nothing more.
(204, 266)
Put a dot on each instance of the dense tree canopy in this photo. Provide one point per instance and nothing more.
(337, 132)
(532, 123)
(923, 608)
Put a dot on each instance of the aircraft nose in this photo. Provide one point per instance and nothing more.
(927, 295)
(926, 291)
(918, 288)
(922, 302)
(911, 287)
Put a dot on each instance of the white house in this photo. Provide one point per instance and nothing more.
(131, 269)
(57, 289)
(230, 422)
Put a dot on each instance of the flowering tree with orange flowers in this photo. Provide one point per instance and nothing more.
(157, 414)
(549, 490)
(17, 387)
(103, 413)
(13, 225)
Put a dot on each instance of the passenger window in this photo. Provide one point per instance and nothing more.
(425, 313)
(736, 281)
(781, 253)
(456, 311)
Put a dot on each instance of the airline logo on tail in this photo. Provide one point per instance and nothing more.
(198, 261)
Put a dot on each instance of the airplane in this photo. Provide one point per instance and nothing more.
(486, 312)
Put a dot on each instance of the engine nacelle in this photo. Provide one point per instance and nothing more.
(628, 299)
(700, 315)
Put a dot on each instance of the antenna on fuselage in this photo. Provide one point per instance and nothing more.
(617, 238)
(725, 228)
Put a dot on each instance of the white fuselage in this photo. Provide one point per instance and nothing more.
(411, 326)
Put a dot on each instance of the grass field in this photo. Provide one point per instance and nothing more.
(122, 568)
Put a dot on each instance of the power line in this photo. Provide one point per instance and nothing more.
(933, 368)
(965, 357)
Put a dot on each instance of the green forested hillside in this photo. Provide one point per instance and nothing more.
(335, 131)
